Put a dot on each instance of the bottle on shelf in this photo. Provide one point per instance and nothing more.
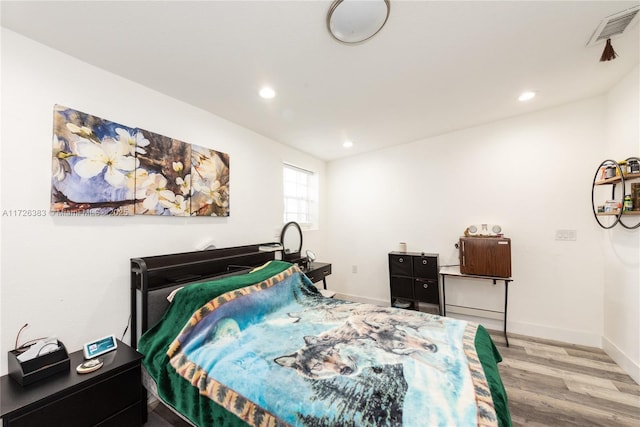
(628, 204)
(622, 168)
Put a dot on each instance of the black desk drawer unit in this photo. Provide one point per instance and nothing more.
(413, 278)
(110, 396)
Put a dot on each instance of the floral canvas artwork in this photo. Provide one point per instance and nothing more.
(209, 182)
(105, 168)
(163, 183)
(93, 164)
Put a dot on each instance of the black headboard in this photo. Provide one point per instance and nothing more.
(167, 272)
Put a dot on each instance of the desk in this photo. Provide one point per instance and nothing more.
(455, 272)
(317, 271)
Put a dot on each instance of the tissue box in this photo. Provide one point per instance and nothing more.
(30, 371)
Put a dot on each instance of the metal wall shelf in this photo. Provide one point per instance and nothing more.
(621, 178)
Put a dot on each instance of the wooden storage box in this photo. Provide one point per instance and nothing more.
(485, 256)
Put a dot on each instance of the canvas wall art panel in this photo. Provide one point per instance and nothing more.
(100, 167)
(209, 182)
(93, 164)
(163, 181)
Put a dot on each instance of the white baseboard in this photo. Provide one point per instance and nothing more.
(630, 367)
(556, 333)
(365, 300)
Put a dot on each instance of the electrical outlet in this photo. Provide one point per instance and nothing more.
(566, 235)
(354, 269)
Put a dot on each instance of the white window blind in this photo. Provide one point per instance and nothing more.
(300, 196)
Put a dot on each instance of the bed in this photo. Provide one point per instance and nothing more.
(249, 340)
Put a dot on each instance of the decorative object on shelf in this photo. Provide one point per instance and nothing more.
(610, 171)
(355, 21)
(635, 195)
(104, 168)
(618, 208)
(483, 230)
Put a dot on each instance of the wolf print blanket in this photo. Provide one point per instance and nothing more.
(278, 353)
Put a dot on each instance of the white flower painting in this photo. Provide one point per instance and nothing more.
(105, 168)
(209, 182)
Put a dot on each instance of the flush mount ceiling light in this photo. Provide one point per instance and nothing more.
(354, 21)
(347, 144)
(267, 92)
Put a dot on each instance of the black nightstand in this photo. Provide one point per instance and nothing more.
(318, 271)
(111, 396)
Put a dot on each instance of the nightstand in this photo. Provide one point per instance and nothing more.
(317, 271)
(111, 396)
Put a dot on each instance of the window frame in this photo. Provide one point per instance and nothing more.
(309, 200)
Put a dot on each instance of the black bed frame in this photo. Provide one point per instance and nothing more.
(154, 277)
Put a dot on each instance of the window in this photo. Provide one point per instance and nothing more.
(300, 196)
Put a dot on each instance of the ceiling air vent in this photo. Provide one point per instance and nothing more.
(615, 25)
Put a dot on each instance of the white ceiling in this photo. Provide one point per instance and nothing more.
(435, 67)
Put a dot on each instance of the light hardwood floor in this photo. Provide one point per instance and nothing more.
(548, 383)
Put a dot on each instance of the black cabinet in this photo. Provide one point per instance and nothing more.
(111, 396)
(414, 279)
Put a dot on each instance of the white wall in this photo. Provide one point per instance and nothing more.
(532, 174)
(622, 247)
(69, 276)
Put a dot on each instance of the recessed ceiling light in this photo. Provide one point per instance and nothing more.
(267, 92)
(526, 96)
(347, 144)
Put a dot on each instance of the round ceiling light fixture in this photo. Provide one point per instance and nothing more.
(354, 21)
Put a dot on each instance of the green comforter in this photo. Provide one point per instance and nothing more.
(211, 316)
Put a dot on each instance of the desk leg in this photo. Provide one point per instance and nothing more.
(324, 282)
(506, 299)
(444, 299)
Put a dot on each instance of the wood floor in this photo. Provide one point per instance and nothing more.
(557, 384)
(548, 384)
